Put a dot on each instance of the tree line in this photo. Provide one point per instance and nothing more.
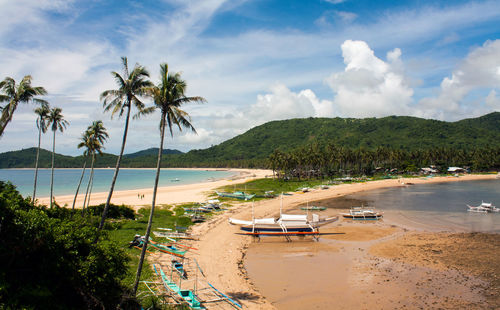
(331, 160)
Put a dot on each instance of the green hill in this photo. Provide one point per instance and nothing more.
(399, 132)
(255, 145)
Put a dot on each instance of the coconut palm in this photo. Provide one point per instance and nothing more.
(14, 94)
(168, 97)
(41, 123)
(85, 142)
(56, 122)
(97, 135)
(131, 85)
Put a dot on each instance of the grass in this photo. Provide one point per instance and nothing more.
(123, 231)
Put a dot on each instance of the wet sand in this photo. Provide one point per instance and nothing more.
(358, 280)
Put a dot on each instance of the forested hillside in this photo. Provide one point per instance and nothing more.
(253, 148)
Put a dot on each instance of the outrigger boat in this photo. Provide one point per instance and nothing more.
(237, 195)
(484, 207)
(313, 208)
(361, 213)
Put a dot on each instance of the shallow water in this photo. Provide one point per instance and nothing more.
(66, 180)
(336, 274)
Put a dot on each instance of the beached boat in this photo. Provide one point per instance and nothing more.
(187, 295)
(237, 195)
(361, 213)
(285, 223)
(313, 208)
(179, 267)
(484, 207)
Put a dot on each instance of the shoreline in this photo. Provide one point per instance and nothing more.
(195, 192)
(225, 268)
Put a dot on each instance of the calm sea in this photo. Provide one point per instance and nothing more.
(66, 180)
(439, 206)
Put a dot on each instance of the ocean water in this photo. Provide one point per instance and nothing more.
(66, 180)
(438, 206)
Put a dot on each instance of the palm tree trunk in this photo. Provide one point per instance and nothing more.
(88, 185)
(78, 187)
(115, 175)
(150, 221)
(91, 179)
(36, 162)
(52, 173)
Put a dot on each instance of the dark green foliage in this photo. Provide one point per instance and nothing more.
(251, 149)
(48, 261)
(115, 212)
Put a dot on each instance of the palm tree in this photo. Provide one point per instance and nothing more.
(85, 142)
(130, 87)
(56, 122)
(41, 122)
(168, 97)
(97, 135)
(13, 94)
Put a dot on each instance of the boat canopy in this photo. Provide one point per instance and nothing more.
(268, 220)
(293, 217)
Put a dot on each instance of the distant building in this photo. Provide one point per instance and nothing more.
(428, 170)
(456, 170)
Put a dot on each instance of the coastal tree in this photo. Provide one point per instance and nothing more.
(13, 94)
(56, 122)
(131, 86)
(84, 142)
(97, 135)
(41, 123)
(168, 97)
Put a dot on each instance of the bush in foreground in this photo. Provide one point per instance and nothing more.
(51, 262)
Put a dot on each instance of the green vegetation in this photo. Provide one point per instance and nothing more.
(48, 259)
(252, 148)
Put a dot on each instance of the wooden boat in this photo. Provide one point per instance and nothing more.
(313, 208)
(285, 223)
(361, 213)
(484, 207)
(237, 195)
(179, 267)
(187, 295)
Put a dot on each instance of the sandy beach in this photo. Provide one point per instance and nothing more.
(166, 195)
(222, 256)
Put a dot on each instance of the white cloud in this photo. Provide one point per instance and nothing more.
(492, 100)
(370, 86)
(479, 70)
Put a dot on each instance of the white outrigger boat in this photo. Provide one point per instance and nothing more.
(285, 224)
(484, 207)
(361, 213)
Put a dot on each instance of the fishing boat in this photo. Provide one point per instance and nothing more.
(179, 267)
(285, 223)
(361, 213)
(237, 195)
(187, 295)
(484, 207)
(313, 208)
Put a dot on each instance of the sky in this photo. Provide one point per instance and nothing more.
(254, 61)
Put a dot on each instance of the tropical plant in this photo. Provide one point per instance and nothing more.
(131, 86)
(56, 122)
(41, 123)
(85, 142)
(168, 97)
(96, 136)
(14, 94)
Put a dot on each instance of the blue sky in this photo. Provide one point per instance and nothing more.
(254, 61)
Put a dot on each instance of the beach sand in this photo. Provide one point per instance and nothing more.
(221, 253)
(166, 195)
